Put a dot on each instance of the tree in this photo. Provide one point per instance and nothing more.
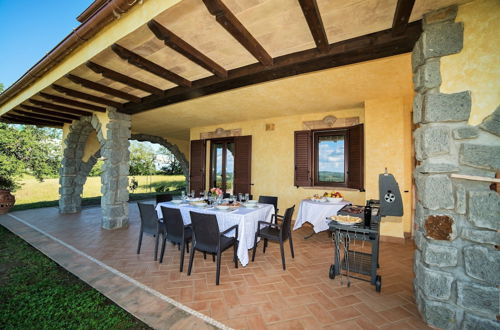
(142, 158)
(173, 166)
(28, 150)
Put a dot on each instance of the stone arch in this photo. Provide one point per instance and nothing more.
(171, 147)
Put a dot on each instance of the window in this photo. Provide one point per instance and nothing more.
(330, 158)
(222, 165)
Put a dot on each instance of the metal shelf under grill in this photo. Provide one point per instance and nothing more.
(359, 262)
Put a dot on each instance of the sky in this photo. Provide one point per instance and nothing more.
(331, 156)
(30, 29)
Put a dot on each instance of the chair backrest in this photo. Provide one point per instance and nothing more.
(173, 221)
(206, 231)
(286, 225)
(149, 218)
(161, 198)
(269, 200)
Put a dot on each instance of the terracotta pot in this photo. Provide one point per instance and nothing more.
(7, 201)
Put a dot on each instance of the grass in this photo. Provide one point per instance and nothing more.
(32, 191)
(36, 293)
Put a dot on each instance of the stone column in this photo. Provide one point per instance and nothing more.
(114, 200)
(457, 267)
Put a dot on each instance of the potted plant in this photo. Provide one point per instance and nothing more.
(7, 200)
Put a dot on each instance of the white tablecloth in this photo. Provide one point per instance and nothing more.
(316, 213)
(245, 218)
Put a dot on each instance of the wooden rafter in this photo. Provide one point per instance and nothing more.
(313, 18)
(126, 80)
(402, 16)
(229, 22)
(373, 46)
(151, 67)
(49, 112)
(61, 108)
(26, 120)
(85, 96)
(173, 41)
(39, 116)
(103, 88)
(74, 103)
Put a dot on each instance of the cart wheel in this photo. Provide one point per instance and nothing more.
(331, 273)
(378, 283)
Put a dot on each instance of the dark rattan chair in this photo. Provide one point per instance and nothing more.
(177, 232)
(150, 224)
(272, 200)
(208, 239)
(161, 198)
(277, 233)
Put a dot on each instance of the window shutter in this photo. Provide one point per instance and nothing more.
(303, 159)
(356, 166)
(197, 166)
(242, 164)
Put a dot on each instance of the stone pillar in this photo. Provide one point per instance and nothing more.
(457, 267)
(114, 178)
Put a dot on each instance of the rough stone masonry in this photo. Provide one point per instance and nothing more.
(457, 261)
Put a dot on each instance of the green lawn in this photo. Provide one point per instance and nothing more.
(33, 191)
(36, 293)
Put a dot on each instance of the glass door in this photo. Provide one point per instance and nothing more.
(222, 165)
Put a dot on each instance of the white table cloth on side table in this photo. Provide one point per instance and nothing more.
(316, 213)
(245, 218)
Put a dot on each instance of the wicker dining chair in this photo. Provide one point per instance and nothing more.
(277, 232)
(161, 198)
(271, 200)
(176, 232)
(208, 239)
(150, 225)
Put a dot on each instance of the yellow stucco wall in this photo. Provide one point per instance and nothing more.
(91, 146)
(477, 66)
(273, 156)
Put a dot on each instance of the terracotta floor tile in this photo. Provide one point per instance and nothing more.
(346, 325)
(345, 313)
(396, 314)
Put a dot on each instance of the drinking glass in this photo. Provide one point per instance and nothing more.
(247, 197)
(193, 194)
(240, 197)
(183, 196)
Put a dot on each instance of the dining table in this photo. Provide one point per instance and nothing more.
(316, 213)
(246, 218)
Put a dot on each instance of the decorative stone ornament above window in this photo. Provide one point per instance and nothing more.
(330, 122)
(220, 133)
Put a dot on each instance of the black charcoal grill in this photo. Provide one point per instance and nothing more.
(359, 262)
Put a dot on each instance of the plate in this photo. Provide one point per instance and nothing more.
(346, 220)
(177, 201)
(222, 207)
(250, 205)
(252, 201)
(199, 204)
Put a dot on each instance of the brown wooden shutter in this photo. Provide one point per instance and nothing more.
(197, 166)
(356, 163)
(242, 164)
(303, 159)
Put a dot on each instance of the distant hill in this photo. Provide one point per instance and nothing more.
(329, 176)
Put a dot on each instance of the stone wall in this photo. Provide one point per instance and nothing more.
(457, 262)
(114, 150)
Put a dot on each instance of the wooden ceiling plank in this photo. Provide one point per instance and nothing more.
(402, 16)
(42, 117)
(49, 112)
(359, 49)
(147, 65)
(116, 76)
(85, 96)
(61, 108)
(313, 18)
(75, 103)
(176, 43)
(232, 25)
(32, 122)
(103, 88)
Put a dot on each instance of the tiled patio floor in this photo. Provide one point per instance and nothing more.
(258, 296)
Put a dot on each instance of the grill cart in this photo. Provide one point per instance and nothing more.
(367, 230)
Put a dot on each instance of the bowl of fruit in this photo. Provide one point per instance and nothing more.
(334, 197)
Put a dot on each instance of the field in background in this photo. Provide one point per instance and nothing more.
(33, 191)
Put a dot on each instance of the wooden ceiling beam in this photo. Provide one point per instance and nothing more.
(232, 25)
(402, 16)
(147, 65)
(313, 18)
(25, 120)
(364, 48)
(42, 117)
(176, 43)
(48, 112)
(85, 96)
(103, 88)
(74, 103)
(61, 108)
(121, 78)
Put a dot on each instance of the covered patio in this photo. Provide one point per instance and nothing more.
(258, 296)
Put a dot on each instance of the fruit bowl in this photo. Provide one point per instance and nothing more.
(334, 199)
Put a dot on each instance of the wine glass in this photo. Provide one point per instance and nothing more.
(240, 197)
(247, 197)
